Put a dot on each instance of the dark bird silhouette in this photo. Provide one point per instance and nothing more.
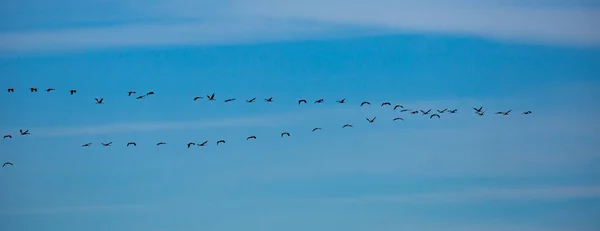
(442, 111)
(229, 100)
(10, 90)
(131, 143)
(414, 112)
(7, 163)
(251, 137)
(140, 97)
(268, 100)
(527, 113)
(425, 112)
(404, 110)
(363, 103)
(50, 89)
(480, 113)
(319, 101)
(371, 120)
(99, 101)
(347, 125)
(72, 91)
(285, 133)
(7, 136)
(220, 141)
(301, 101)
(341, 100)
(398, 118)
(86, 145)
(130, 93)
(315, 129)
(434, 115)
(33, 89)
(197, 98)
(211, 97)
(206, 142)
(160, 143)
(478, 109)
(190, 144)
(107, 144)
(26, 132)
(452, 111)
(386, 104)
(150, 93)
(398, 106)
(503, 113)
(251, 100)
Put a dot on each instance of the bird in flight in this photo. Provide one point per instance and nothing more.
(371, 120)
(204, 143)
(347, 125)
(503, 113)
(7, 136)
(33, 89)
(211, 97)
(26, 132)
(131, 143)
(99, 101)
(130, 93)
(425, 112)
(220, 141)
(251, 100)
(404, 110)
(285, 133)
(434, 115)
(480, 113)
(50, 89)
(477, 110)
(140, 97)
(197, 98)
(251, 137)
(442, 111)
(72, 91)
(160, 143)
(86, 145)
(150, 93)
(190, 144)
(301, 101)
(527, 113)
(386, 104)
(341, 100)
(229, 100)
(10, 90)
(414, 112)
(7, 163)
(452, 111)
(365, 102)
(315, 129)
(268, 100)
(398, 118)
(319, 101)
(107, 144)
(398, 106)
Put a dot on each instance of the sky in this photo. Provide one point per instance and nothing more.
(460, 172)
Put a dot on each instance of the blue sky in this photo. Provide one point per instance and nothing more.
(461, 172)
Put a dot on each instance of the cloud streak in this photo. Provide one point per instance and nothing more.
(243, 21)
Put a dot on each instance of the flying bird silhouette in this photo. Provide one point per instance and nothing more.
(503, 113)
(26, 132)
(341, 100)
(107, 144)
(211, 97)
(229, 100)
(478, 109)
(452, 111)
(301, 101)
(527, 113)
(150, 93)
(33, 89)
(130, 93)
(7, 136)
(190, 144)
(251, 100)
(434, 115)
(386, 104)
(319, 101)
(347, 125)
(371, 120)
(86, 145)
(204, 143)
(480, 113)
(414, 112)
(398, 118)
(10, 90)
(220, 141)
(197, 98)
(251, 137)
(285, 133)
(405, 110)
(425, 112)
(131, 143)
(140, 97)
(442, 111)
(72, 91)
(268, 100)
(365, 103)
(315, 129)
(160, 143)
(50, 89)
(7, 163)
(398, 106)
(99, 101)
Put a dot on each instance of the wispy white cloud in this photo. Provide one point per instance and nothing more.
(244, 21)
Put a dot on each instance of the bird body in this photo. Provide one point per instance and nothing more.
(301, 101)
(86, 145)
(7, 136)
(425, 112)
(26, 132)
(319, 101)
(285, 133)
(220, 141)
(160, 143)
(7, 163)
(72, 91)
(251, 100)
(107, 144)
(347, 125)
(131, 93)
(99, 101)
(365, 103)
(269, 100)
(341, 100)
(190, 144)
(316, 129)
(131, 143)
(50, 89)
(251, 137)
(229, 100)
(398, 106)
(398, 118)
(434, 115)
(204, 143)
(527, 113)
(386, 104)
(10, 90)
(33, 89)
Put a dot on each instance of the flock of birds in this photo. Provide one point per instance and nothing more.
(211, 97)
